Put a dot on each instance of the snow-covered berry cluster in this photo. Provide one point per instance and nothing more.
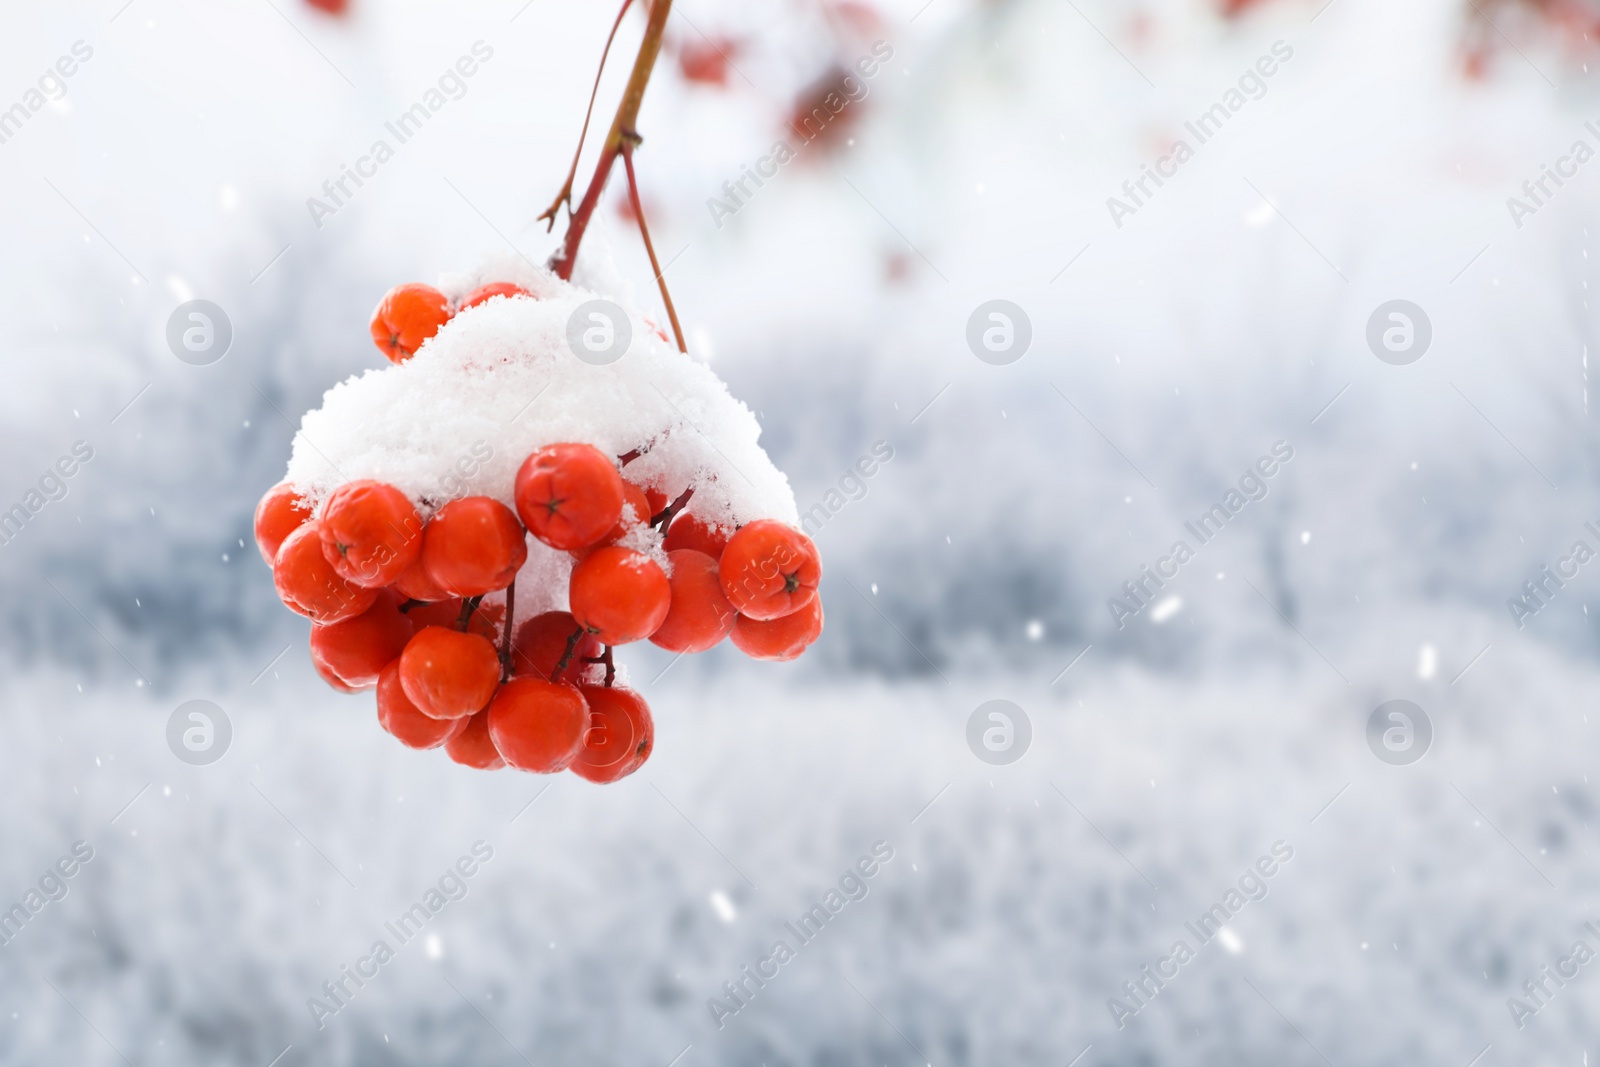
(402, 528)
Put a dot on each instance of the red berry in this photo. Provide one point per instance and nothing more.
(474, 546)
(280, 513)
(569, 496)
(537, 725)
(449, 674)
(407, 316)
(690, 531)
(473, 747)
(485, 622)
(619, 595)
(370, 532)
(308, 584)
(700, 615)
(414, 583)
(656, 500)
(706, 60)
(398, 715)
(620, 735)
(541, 642)
(357, 650)
(779, 639)
(639, 501)
(486, 292)
(633, 498)
(770, 570)
(333, 680)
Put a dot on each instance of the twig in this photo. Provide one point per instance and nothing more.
(627, 115)
(566, 657)
(629, 140)
(505, 638)
(670, 512)
(565, 196)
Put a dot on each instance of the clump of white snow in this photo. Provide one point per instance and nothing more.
(500, 381)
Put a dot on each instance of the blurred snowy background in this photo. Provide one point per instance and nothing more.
(1227, 313)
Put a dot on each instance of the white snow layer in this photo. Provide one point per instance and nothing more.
(501, 379)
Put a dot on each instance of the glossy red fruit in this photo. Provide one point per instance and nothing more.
(414, 583)
(280, 513)
(619, 595)
(541, 642)
(569, 496)
(656, 500)
(779, 639)
(770, 570)
(473, 747)
(537, 725)
(333, 680)
(308, 584)
(474, 546)
(690, 531)
(449, 674)
(700, 615)
(398, 715)
(635, 511)
(485, 622)
(407, 316)
(487, 292)
(357, 650)
(634, 505)
(370, 532)
(620, 736)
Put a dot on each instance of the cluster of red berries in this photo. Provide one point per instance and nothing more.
(396, 602)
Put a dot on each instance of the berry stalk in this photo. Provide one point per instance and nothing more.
(505, 638)
(631, 139)
(621, 127)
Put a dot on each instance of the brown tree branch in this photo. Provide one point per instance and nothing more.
(626, 119)
(565, 196)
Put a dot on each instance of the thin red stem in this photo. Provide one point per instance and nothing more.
(670, 512)
(628, 142)
(566, 657)
(505, 638)
(626, 118)
(565, 196)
